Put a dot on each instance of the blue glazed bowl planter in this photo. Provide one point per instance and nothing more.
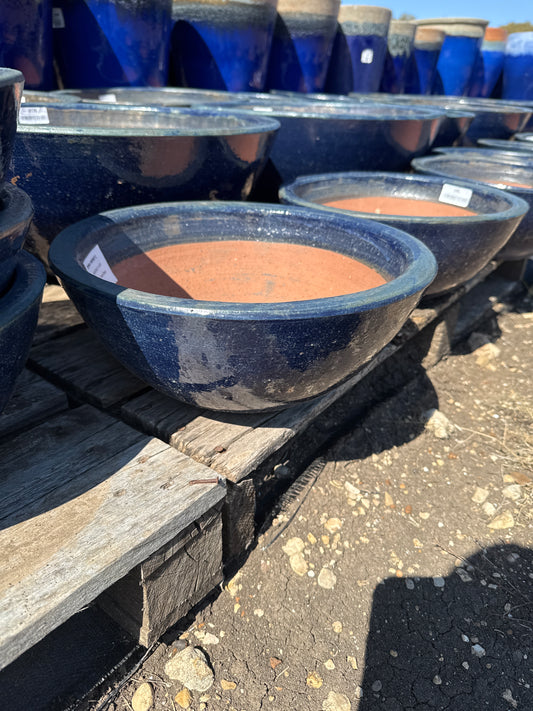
(518, 67)
(241, 357)
(19, 309)
(102, 43)
(11, 85)
(400, 42)
(91, 157)
(462, 244)
(301, 45)
(359, 49)
(222, 44)
(508, 157)
(16, 212)
(509, 178)
(423, 65)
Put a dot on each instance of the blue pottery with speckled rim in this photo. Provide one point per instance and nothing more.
(301, 45)
(400, 43)
(499, 175)
(100, 43)
(509, 157)
(19, 308)
(462, 244)
(222, 44)
(489, 64)
(241, 357)
(359, 49)
(92, 157)
(16, 212)
(423, 65)
(11, 85)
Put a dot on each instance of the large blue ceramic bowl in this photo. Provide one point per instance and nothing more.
(148, 96)
(463, 225)
(19, 308)
(319, 136)
(509, 157)
(11, 85)
(16, 212)
(245, 307)
(509, 178)
(90, 158)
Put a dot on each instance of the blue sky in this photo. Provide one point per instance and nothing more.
(496, 11)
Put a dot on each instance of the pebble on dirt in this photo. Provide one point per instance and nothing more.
(336, 702)
(143, 698)
(327, 579)
(438, 424)
(183, 698)
(503, 520)
(190, 667)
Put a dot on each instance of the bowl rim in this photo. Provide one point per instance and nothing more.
(424, 165)
(16, 208)
(472, 104)
(419, 274)
(523, 145)
(343, 110)
(26, 288)
(253, 123)
(488, 152)
(517, 207)
(525, 137)
(10, 76)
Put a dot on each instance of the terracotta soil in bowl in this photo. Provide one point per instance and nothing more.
(382, 205)
(240, 271)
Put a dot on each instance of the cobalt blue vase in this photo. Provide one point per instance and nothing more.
(26, 40)
(100, 43)
(489, 64)
(423, 63)
(399, 50)
(359, 49)
(301, 45)
(518, 67)
(222, 45)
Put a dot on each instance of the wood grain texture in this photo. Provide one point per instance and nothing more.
(85, 528)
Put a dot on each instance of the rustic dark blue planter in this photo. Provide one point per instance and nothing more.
(112, 42)
(301, 45)
(462, 245)
(11, 84)
(222, 45)
(520, 245)
(400, 41)
(16, 212)
(19, 309)
(241, 356)
(92, 157)
(26, 40)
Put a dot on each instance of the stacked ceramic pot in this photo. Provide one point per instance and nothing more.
(22, 277)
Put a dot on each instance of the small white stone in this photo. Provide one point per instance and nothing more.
(488, 509)
(293, 546)
(336, 702)
(438, 424)
(143, 698)
(465, 638)
(502, 521)
(409, 584)
(478, 651)
(437, 680)
(480, 495)
(512, 492)
(327, 579)
(439, 581)
(465, 665)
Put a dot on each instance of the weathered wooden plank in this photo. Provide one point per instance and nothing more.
(57, 315)
(79, 364)
(33, 400)
(71, 544)
(157, 414)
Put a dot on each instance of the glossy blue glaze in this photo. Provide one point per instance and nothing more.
(149, 96)
(94, 157)
(488, 69)
(421, 70)
(222, 45)
(19, 309)
(400, 42)
(113, 42)
(26, 40)
(241, 356)
(316, 136)
(510, 157)
(496, 174)
(455, 65)
(16, 212)
(11, 84)
(462, 245)
(349, 66)
(300, 52)
(500, 144)
(518, 67)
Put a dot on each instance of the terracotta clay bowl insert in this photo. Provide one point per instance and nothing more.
(464, 225)
(19, 308)
(241, 306)
(514, 179)
(88, 158)
(509, 157)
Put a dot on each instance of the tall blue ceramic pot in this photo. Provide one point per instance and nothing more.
(518, 67)
(489, 65)
(222, 44)
(458, 54)
(100, 43)
(422, 66)
(400, 41)
(26, 40)
(359, 49)
(301, 45)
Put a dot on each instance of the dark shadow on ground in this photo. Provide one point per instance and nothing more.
(458, 643)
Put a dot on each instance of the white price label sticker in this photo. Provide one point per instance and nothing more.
(108, 98)
(454, 195)
(367, 56)
(58, 19)
(33, 115)
(95, 263)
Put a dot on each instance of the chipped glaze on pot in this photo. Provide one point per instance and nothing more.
(400, 42)
(222, 44)
(301, 45)
(241, 357)
(103, 43)
(359, 49)
(19, 308)
(423, 65)
(16, 211)
(489, 64)
(463, 224)
(518, 67)
(509, 178)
